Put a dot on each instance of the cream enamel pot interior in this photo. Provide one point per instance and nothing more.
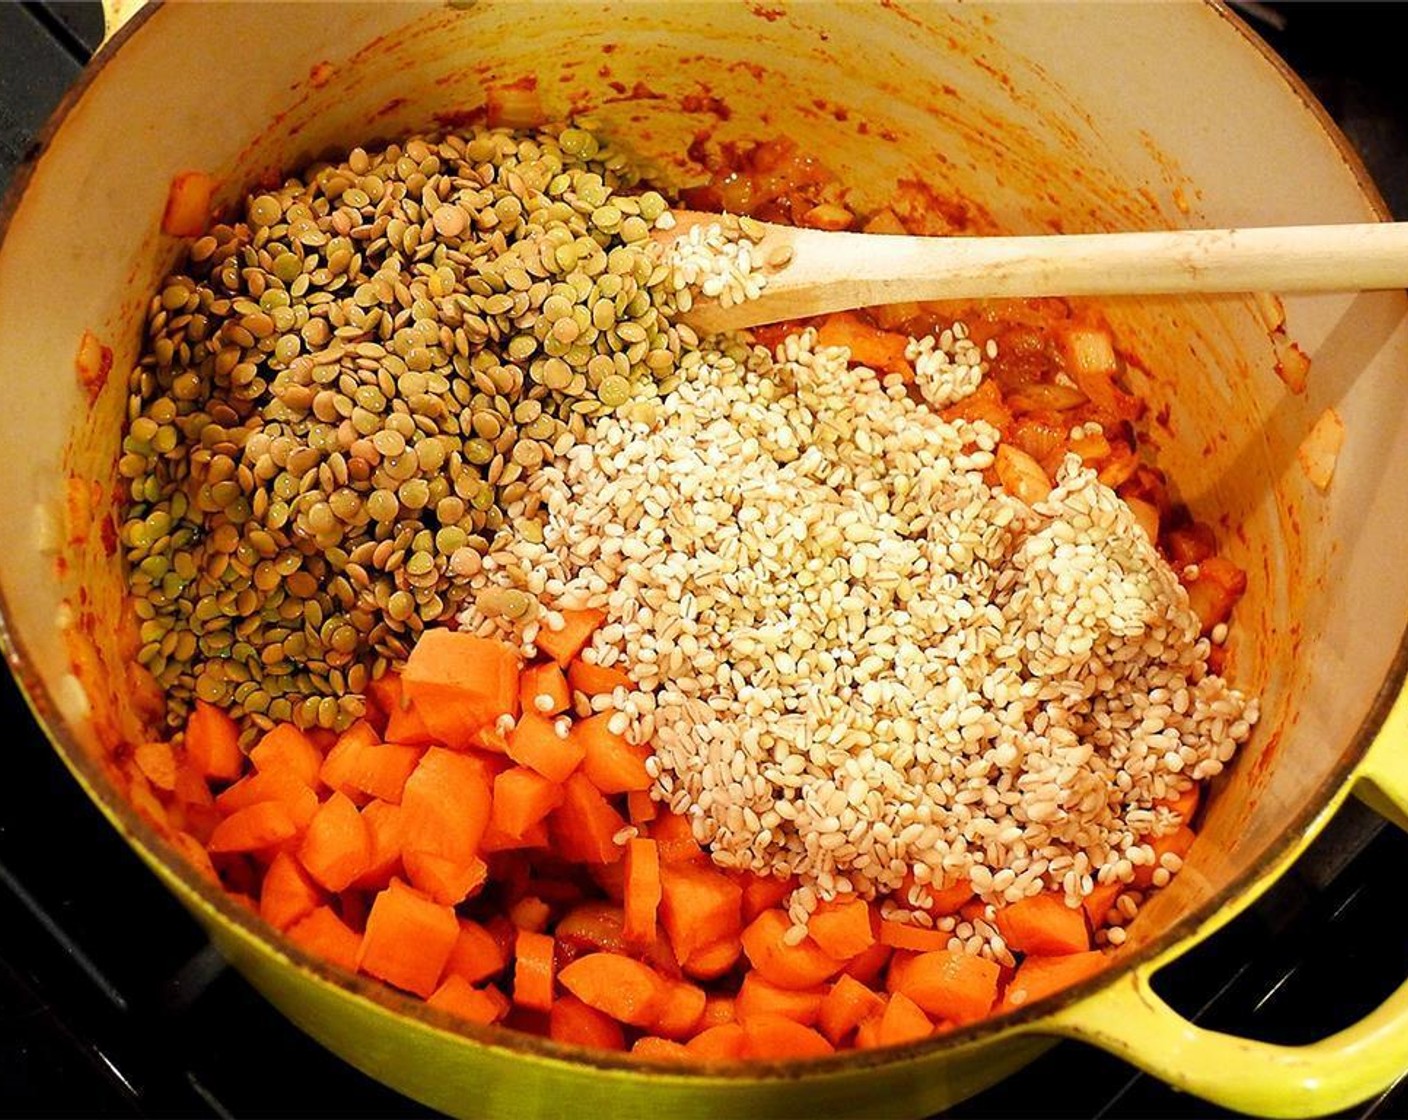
(1078, 117)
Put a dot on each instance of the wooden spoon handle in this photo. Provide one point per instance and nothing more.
(835, 271)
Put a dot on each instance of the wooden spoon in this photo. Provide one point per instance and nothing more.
(811, 272)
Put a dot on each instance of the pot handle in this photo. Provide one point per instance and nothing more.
(115, 14)
(1130, 1021)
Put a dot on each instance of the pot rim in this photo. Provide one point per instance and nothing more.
(171, 866)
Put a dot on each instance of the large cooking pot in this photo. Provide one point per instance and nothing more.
(1044, 117)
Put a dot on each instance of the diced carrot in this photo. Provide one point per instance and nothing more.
(625, 989)
(643, 890)
(403, 722)
(337, 848)
(583, 828)
(572, 1021)
(522, 799)
(947, 984)
(497, 840)
(535, 743)
(758, 997)
(356, 766)
(656, 1049)
(612, 764)
(445, 806)
(1043, 924)
(445, 879)
(1037, 976)
(408, 939)
(1175, 843)
(545, 680)
(286, 745)
(190, 786)
(709, 962)
(868, 1033)
(726, 1042)
(158, 762)
(530, 913)
(803, 965)
(477, 954)
(491, 739)
(683, 1008)
(459, 682)
(326, 935)
(903, 1021)
(248, 830)
(845, 1007)
(1100, 901)
(841, 929)
(238, 874)
(322, 737)
(973, 911)
(942, 901)
(383, 821)
(717, 1009)
(1186, 803)
(698, 906)
(280, 785)
(533, 970)
(867, 967)
(675, 835)
(901, 935)
(777, 1038)
(287, 893)
(763, 892)
(563, 645)
(869, 346)
(459, 997)
(597, 680)
(213, 743)
(640, 806)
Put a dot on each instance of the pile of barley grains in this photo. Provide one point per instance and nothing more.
(855, 659)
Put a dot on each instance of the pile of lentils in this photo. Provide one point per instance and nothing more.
(859, 662)
(344, 392)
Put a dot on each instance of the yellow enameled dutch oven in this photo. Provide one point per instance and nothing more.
(1077, 117)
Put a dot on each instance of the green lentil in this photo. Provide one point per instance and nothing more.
(326, 428)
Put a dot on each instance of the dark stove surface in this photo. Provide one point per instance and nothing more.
(113, 1004)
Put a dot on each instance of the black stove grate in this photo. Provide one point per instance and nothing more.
(113, 1004)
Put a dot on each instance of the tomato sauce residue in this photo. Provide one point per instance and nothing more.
(389, 108)
(705, 102)
(638, 92)
(93, 363)
(454, 119)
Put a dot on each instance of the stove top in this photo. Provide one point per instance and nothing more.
(113, 1004)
